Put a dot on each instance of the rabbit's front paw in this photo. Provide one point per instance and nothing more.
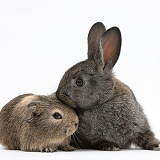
(110, 149)
(109, 146)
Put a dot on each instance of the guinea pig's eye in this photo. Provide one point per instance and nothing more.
(79, 82)
(57, 115)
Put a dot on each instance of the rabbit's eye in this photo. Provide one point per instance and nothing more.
(57, 115)
(79, 82)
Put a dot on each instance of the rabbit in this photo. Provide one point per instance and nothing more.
(110, 118)
(37, 123)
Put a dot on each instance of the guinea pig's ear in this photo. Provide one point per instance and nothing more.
(34, 111)
(94, 35)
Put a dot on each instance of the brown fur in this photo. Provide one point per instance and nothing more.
(27, 123)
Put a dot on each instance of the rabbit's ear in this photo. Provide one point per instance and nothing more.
(109, 47)
(94, 35)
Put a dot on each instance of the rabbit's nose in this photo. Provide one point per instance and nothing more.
(65, 94)
(60, 93)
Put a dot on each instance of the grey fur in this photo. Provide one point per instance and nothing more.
(110, 118)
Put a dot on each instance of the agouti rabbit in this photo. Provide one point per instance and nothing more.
(110, 118)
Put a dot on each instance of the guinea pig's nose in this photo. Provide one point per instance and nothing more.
(76, 125)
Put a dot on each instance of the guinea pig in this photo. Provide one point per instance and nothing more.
(37, 123)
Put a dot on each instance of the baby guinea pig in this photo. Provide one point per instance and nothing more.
(37, 123)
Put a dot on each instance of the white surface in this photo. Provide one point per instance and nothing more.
(41, 39)
(131, 154)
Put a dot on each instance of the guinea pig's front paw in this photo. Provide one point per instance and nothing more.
(67, 148)
(47, 149)
(109, 146)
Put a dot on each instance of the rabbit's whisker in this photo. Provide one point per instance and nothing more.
(75, 139)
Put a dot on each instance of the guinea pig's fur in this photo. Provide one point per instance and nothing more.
(37, 123)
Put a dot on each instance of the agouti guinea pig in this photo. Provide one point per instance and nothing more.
(37, 123)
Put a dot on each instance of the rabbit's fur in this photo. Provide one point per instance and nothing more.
(110, 118)
(37, 123)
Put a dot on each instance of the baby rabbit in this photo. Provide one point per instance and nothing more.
(37, 123)
(110, 118)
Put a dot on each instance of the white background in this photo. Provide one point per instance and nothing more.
(41, 39)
